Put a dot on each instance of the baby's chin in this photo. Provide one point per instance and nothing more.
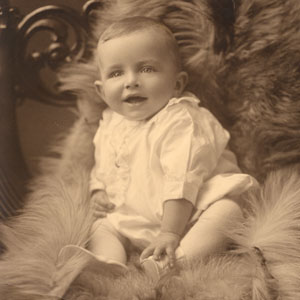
(138, 116)
(143, 117)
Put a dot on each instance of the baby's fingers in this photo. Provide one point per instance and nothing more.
(103, 206)
(100, 214)
(158, 252)
(147, 252)
(101, 202)
(108, 205)
(171, 256)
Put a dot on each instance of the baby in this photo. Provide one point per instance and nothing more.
(164, 180)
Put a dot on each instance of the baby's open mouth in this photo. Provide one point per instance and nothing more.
(135, 99)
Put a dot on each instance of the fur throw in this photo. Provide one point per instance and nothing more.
(243, 61)
(265, 263)
(261, 82)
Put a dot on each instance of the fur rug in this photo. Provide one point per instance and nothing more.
(59, 214)
(243, 62)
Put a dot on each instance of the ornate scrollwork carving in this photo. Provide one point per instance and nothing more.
(47, 38)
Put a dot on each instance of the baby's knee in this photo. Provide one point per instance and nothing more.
(226, 209)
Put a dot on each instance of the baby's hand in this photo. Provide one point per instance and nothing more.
(165, 244)
(101, 203)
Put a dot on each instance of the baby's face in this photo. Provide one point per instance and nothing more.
(138, 75)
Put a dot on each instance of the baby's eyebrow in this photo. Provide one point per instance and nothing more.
(148, 61)
(113, 67)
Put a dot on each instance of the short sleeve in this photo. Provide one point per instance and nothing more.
(193, 143)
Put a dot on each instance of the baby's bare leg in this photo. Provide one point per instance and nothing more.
(206, 236)
(107, 242)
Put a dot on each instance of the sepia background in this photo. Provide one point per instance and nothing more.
(39, 124)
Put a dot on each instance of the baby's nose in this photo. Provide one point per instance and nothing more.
(131, 81)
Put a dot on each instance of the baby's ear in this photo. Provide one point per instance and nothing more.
(181, 82)
(98, 86)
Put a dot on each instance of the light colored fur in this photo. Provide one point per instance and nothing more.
(57, 213)
(272, 224)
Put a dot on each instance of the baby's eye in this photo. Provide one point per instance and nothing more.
(147, 69)
(115, 74)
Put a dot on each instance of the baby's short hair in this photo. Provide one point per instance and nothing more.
(139, 23)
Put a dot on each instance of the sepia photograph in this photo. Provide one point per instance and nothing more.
(149, 150)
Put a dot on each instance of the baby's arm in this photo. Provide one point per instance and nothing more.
(176, 215)
(99, 196)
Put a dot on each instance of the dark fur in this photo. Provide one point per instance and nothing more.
(261, 78)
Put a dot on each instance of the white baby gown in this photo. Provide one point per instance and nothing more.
(181, 152)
